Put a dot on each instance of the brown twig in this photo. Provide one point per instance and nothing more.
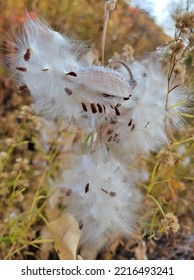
(108, 6)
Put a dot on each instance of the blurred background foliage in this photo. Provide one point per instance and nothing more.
(84, 20)
(25, 165)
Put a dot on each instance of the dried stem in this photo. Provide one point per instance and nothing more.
(108, 6)
(116, 61)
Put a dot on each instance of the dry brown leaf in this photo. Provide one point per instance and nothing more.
(79, 258)
(66, 233)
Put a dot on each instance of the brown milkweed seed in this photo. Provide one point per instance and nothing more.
(87, 187)
(68, 91)
(22, 69)
(72, 74)
(27, 55)
(93, 107)
(84, 107)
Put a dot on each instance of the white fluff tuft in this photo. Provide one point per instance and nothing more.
(146, 116)
(102, 196)
(60, 81)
